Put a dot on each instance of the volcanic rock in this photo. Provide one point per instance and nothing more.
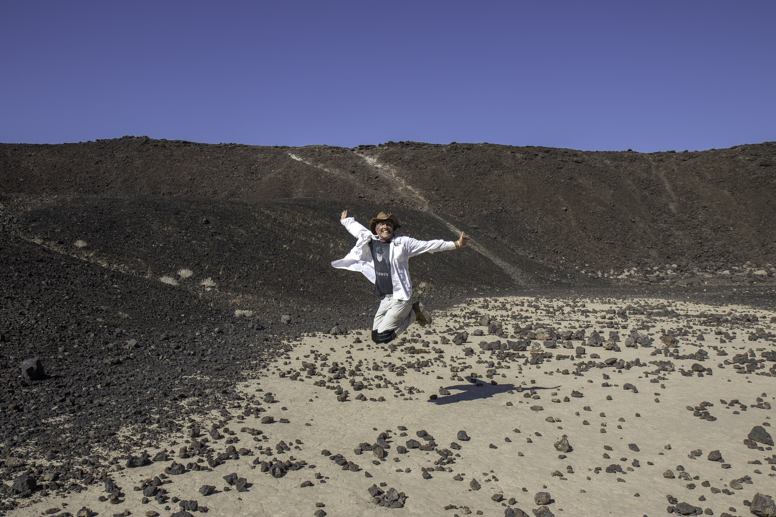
(760, 435)
(542, 498)
(686, 509)
(763, 505)
(33, 369)
(514, 512)
(175, 469)
(24, 485)
(542, 511)
(189, 506)
(563, 445)
(391, 499)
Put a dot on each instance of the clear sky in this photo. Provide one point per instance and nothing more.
(581, 74)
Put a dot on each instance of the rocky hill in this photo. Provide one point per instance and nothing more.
(148, 276)
(600, 213)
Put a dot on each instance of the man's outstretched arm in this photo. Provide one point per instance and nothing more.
(355, 228)
(417, 247)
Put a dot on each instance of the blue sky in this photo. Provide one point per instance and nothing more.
(590, 75)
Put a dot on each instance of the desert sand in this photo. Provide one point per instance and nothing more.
(644, 391)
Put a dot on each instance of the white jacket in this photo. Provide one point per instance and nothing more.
(402, 249)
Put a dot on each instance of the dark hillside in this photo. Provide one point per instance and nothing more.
(610, 210)
(118, 350)
(272, 257)
(576, 211)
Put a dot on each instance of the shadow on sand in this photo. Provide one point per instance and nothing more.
(479, 389)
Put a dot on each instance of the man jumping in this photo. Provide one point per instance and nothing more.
(383, 258)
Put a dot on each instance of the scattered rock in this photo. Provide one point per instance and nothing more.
(542, 498)
(760, 435)
(189, 506)
(33, 369)
(176, 469)
(24, 485)
(562, 445)
(391, 498)
(542, 511)
(687, 509)
(763, 505)
(141, 461)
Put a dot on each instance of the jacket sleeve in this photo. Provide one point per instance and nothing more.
(416, 247)
(355, 228)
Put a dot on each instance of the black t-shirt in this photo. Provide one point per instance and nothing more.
(381, 253)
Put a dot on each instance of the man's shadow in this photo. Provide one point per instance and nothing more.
(479, 389)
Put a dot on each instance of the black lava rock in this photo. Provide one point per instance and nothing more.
(514, 512)
(141, 461)
(175, 469)
(24, 485)
(763, 505)
(760, 435)
(563, 445)
(542, 511)
(391, 498)
(189, 506)
(33, 369)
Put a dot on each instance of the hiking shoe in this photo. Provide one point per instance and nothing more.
(421, 316)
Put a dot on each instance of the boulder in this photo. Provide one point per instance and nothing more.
(542, 498)
(24, 485)
(763, 505)
(563, 445)
(760, 435)
(33, 369)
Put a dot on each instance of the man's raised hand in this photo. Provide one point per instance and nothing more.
(463, 240)
(344, 215)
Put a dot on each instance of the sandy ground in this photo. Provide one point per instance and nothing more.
(513, 412)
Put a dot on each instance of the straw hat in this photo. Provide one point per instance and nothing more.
(382, 216)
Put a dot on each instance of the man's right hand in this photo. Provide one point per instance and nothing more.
(344, 215)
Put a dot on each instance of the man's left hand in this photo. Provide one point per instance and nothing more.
(463, 241)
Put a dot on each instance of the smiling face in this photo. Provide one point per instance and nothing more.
(384, 230)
